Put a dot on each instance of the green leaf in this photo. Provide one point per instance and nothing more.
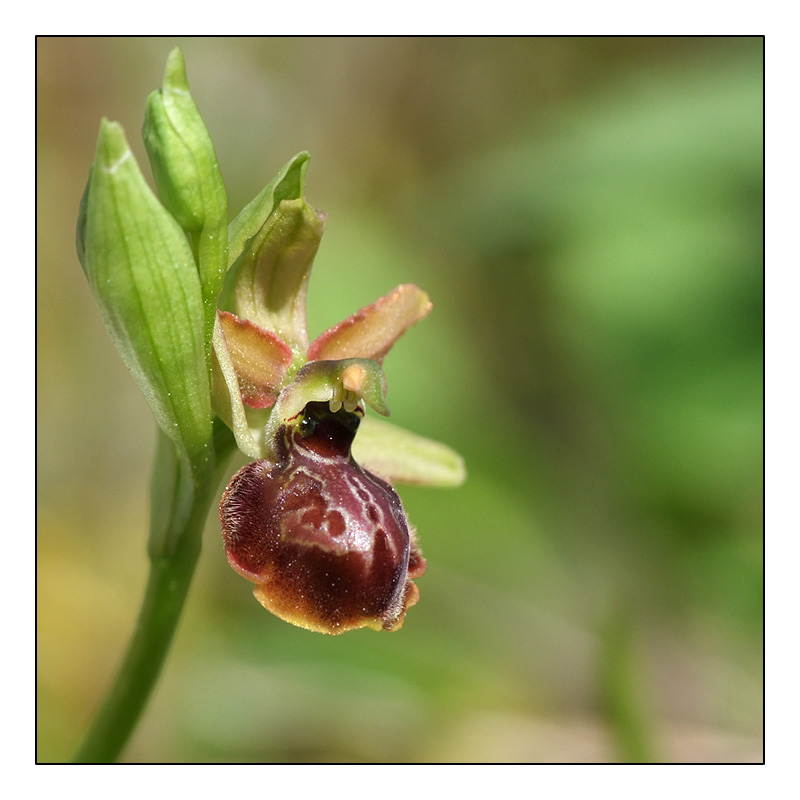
(188, 178)
(141, 270)
(400, 456)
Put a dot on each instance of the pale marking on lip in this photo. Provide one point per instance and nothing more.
(360, 531)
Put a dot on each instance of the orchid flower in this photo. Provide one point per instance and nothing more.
(325, 540)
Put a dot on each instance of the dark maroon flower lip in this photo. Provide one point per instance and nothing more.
(326, 542)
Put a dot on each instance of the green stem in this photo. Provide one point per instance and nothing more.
(181, 493)
(621, 690)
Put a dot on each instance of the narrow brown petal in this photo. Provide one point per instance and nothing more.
(370, 332)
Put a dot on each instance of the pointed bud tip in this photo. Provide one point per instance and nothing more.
(175, 77)
(112, 146)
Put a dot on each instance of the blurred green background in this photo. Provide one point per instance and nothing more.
(586, 214)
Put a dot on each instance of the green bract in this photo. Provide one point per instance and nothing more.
(144, 277)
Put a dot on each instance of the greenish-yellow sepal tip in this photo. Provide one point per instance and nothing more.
(175, 77)
(112, 146)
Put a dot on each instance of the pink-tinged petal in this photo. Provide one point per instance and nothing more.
(370, 332)
(259, 357)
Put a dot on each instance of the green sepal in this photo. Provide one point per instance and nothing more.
(400, 456)
(271, 276)
(142, 273)
(188, 177)
(288, 184)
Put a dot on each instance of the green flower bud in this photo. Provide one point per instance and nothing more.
(187, 176)
(142, 273)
